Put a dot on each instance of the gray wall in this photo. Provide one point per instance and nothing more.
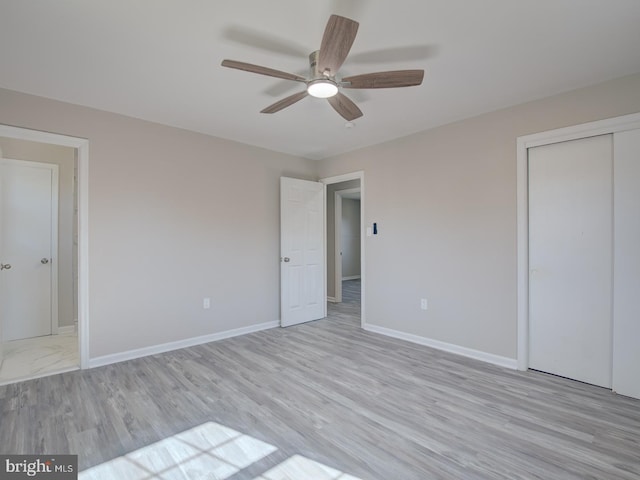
(445, 203)
(174, 216)
(164, 232)
(64, 157)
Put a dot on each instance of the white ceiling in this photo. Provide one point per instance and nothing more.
(159, 60)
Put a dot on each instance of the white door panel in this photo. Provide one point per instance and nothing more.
(302, 251)
(27, 216)
(626, 326)
(570, 258)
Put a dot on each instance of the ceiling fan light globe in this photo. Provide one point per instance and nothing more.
(322, 88)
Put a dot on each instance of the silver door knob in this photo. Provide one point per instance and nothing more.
(286, 259)
(44, 261)
(5, 266)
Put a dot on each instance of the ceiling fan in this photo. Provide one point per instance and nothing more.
(323, 80)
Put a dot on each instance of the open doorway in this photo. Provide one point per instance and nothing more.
(38, 236)
(59, 343)
(345, 245)
(346, 252)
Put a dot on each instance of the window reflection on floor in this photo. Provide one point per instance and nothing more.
(208, 451)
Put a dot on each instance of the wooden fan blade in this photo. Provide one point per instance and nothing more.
(285, 102)
(338, 37)
(345, 107)
(264, 41)
(409, 53)
(398, 78)
(269, 72)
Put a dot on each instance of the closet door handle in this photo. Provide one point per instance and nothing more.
(5, 266)
(44, 261)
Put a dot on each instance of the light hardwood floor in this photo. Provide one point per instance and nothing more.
(360, 403)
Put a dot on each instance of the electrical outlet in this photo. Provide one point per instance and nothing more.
(206, 303)
(423, 304)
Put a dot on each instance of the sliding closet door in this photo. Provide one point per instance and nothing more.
(626, 325)
(570, 259)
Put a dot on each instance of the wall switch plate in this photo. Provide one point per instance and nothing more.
(206, 303)
(423, 304)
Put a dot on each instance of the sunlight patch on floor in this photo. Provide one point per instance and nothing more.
(209, 451)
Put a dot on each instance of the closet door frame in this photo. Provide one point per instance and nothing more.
(601, 127)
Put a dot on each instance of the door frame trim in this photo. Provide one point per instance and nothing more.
(81, 146)
(590, 129)
(359, 175)
(53, 280)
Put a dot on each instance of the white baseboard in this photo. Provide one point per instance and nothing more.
(352, 277)
(188, 342)
(506, 362)
(332, 299)
(67, 329)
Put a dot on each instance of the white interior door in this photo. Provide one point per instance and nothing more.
(302, 269)
(570, 259)
(29, 208)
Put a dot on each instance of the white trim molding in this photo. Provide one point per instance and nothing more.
(591, 129)
(505, 362)
(187, 342)
(67, 330)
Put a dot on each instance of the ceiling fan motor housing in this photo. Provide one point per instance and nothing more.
(320, 84)
(314, 69)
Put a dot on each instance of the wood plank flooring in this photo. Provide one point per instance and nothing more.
(358, 402)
